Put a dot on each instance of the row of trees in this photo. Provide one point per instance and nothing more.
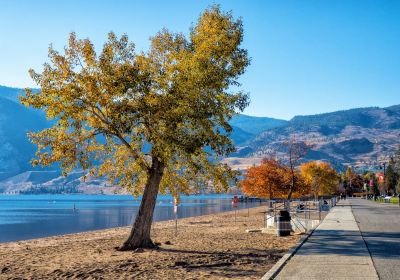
(385, 181)
(274, 179)
(391, 182)
(278, 179)
(352, 183)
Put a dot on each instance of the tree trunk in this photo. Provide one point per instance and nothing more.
(140, 233)
(292, 186)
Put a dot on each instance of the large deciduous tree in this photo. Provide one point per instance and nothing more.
(396, 167)
(357, 182)
(370, 177)
(150, 121)
(271, 179)
(391, 176)
(320, 176)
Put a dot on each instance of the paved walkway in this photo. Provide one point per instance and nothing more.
(336, 250)
(380, 227)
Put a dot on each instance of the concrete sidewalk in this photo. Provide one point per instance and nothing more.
(336, 250)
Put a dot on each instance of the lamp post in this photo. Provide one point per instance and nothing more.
(384, 175)
(350, 175)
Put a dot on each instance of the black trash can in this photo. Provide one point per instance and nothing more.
(283, 226)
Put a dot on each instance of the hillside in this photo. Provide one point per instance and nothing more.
(256, 125)
(34, 182)
(10, 93)
(15, 149)
(245, 128)
(358, 136)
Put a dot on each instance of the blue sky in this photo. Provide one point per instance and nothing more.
(307, 56)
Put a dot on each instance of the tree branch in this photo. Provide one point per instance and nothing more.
(114, 131)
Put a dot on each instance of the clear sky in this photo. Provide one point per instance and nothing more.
(307, 56)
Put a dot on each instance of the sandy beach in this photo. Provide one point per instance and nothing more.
(206, 247)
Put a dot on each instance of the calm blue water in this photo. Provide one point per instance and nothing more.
(32, 216)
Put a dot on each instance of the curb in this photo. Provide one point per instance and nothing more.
(274, 271)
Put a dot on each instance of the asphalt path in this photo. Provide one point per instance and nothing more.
(380, 227)
(335, 250)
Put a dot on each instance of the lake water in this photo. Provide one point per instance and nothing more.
(33, 216)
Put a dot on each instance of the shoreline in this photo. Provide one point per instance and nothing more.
(126, 227)
(164, 212)
(209, 246)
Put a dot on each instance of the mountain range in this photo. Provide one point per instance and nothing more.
(361, 137)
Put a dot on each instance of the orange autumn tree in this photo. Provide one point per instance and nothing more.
(270, 179)
(320, 176)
